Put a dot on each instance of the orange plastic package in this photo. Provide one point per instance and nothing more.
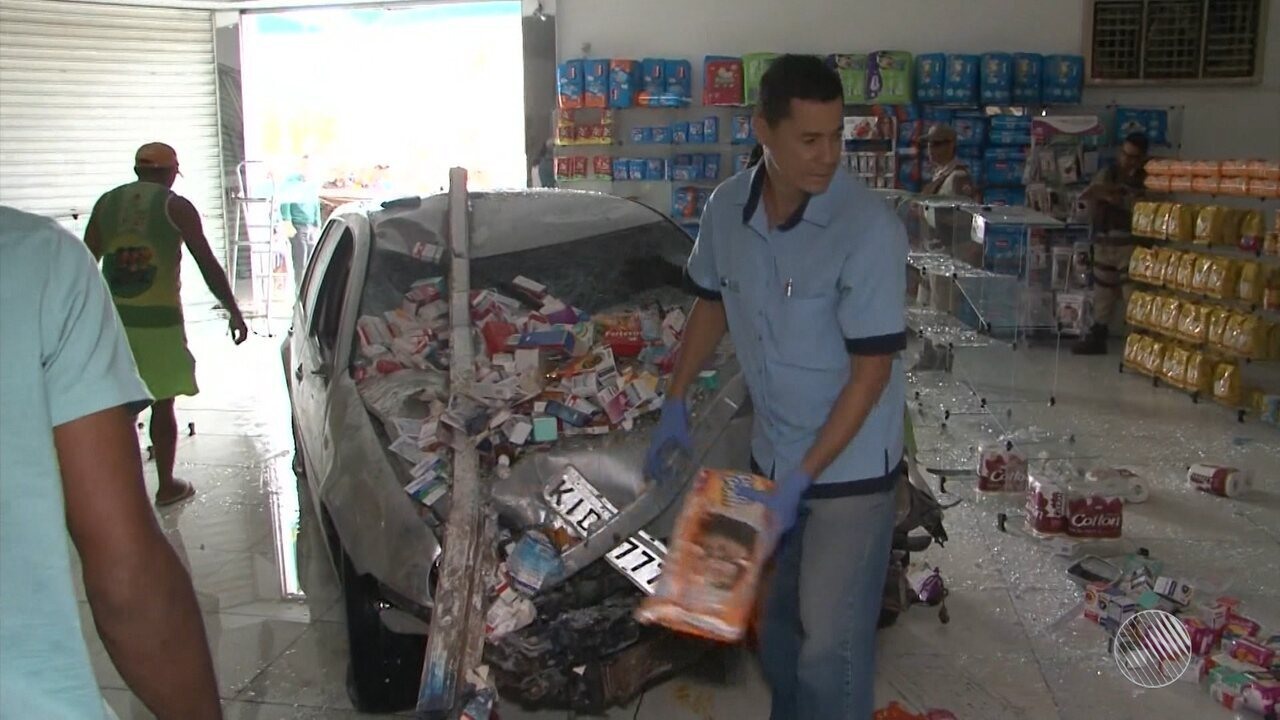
(1180, 183)
(1158, 166)
(1264, 169)
(1235, 168)
(1263, 188)
(1206, 185)
(1206, 168)
(708, 584)
(1234, 186)
(1157, 183)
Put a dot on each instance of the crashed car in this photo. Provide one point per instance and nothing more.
(576, 307)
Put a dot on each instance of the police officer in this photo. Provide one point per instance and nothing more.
(805, 268)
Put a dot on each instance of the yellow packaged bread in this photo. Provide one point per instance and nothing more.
(1132, 349)
(1174, 367)
(1210, 224)
(1153, 360)
(1160, 223)
(1136, 261)
(1218, 318)
(1248, 336)
(1221, 280)
(1170, 277)
(1159, 265)
(1252, 232)
(1170, 309)
(1193, 322)
(1226, 384)
(1200, 279)
(1272, 244)
(1185, 276)
(1144, 215)
(1134, 312)
(1181, 225)
(1199, 372)
(1251, 283)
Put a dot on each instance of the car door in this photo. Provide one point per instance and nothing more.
(317, 344)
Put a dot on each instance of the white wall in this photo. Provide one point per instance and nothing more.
(1226, 122)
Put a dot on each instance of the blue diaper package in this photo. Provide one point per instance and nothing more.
(910, 132)
(971, 128)
(679, 133)
(695, 133)
(621, 169)
(740, 161)
(711, 130)
(1003, 247)
(624, 76)
(1004, 153)
(1028, 74)
(661, 135)
(711, 166)
(641, 136)
(699, 166)
(653, 82)
(961, 84)
(930, 77)
(978, 172)
(595, 83)
(1152, 123)
(655, 169)
(637, 169)
(684, 203)
(742, 131)
(1009, 122)
(679, 83)
(969, 153)
(1020, 138)
(570, 84)
(996, 79)
(1063, 79)
(1004, 196)
(1004, 172)
(682, 159)
(683, 173)
(934, 115)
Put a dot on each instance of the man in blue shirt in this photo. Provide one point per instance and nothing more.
(805, 268)
(69, 463)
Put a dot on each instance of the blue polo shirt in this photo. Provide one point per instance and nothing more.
(828, 283)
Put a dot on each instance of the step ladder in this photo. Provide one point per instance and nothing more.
(257, 213)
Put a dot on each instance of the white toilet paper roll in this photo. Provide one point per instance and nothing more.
(1138, 492)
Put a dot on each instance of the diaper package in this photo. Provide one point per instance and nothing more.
(595, 83)
(1005, 196)
(653, 82)
(722, 81)
(852, 69)
(996, 79)
(931, 77)
(708, 584)
(679, 88)
(570, 83)
(1152, 123)
(1063, 79)
(711, 130)
(961, 83)
(889, 77)
(753, 67)
(623, 82)
(971, 129)
(1028, 74)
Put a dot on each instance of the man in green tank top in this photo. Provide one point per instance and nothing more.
(137, 231)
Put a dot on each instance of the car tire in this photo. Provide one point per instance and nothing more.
(385, 667)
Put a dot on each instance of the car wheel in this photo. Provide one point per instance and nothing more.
(385, 667)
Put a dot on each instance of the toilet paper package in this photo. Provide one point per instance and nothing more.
(1028, 71)
(1063, 79)
(595, 83)
(961, 83)
(889, 77)
(930, 77)
(996, 79)
(852, 69)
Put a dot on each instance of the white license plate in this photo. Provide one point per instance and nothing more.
(583, 508)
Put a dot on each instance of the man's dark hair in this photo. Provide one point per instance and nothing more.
(1138, 140)
(733, 530)
(796, 77)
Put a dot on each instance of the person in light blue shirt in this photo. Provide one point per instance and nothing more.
(69, 463)
(806, 269)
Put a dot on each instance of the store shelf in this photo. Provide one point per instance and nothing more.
(1220, 250)
(1231, 303)
(1216, 350)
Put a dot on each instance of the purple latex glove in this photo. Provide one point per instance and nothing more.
(784, 502)
(671, 435)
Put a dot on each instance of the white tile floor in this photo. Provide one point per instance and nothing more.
(281, 652)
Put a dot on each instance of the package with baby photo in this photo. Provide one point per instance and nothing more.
(708, 584)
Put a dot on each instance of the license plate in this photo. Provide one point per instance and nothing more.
(639, 558)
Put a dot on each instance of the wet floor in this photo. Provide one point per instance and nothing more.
(275, 623)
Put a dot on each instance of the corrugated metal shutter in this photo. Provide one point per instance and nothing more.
(83, 85)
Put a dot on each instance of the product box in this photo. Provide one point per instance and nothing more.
(852, 69)
(695, 133)
(1005, 196)
(661, 135)
(1012, 138)
(722, 80)
(1004, 172)
(718, 551)
(699, 165)
(580, 164)
(1152, 123)
(570, 83)
(1021, 123)
(602, 166)
(679, 132)
(1028, 76)
(1063, 79)
(641, 136)
(621, 169)
(743, 133)
(711, 130)
(740, 161)
(1003, 247)
(655, 169)
(996, 79)
(595, 83)
(961, 84)
(711, 166)
(1075, 313)
(639, 169)
(753, 67)
(1004, 153)
(623, 83)
(684, 203)
(930, 77)
(889, 77)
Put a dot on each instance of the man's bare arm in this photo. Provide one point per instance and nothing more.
(142, 600)
(868, 376)
(187, 220)
(93, 234)
(702, 333)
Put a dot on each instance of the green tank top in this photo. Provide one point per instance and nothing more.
(141, 254)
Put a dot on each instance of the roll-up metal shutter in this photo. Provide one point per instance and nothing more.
(83, 85)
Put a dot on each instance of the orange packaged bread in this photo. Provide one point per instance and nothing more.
(1263, 169)
(1180, 183)
(1206, 168)
(1206, 185)
(1158, 166)
(1237, 186)
(1157, 183)
(1263, 188)
(1235, 168)
(718, 549)
(1179, 167)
